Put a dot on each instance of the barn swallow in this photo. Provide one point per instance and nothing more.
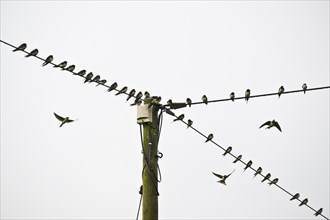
(239, 157)
(209, 138)
(188, 100)
(304, 202)
(96, 79)
(62, 119)
(33, 53)
(169, 102)
(139, 96)
(274, 181)
(223, 178)
(146, 94)
(232, 96)
(130, 94)
(21, 47)
(248, 165)
(204, 99)
(88, 77)
(61, 65)
(296, 196)
(137, 102)
(318, 212)
(70, 68)
(123, 90)
(49, 59)
(113, 86)
(247, 95)
(180, 117)
(271, 124)
(266, 177)
(280, 91)
(304, 87)
(189, 123)
(81, 72)
(259, 170)
(227, 151)
(101, 82)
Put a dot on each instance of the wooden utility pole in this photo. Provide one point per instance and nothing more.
(150, 160)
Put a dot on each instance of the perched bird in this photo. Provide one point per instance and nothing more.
(158, 99)
(137, 102)
(70, 68)
(130, 94)
(180, 117)
(146, 94)
(209, 138)
(318, 212)
(296, 196)
(204, 99)
(33, 53)
(113, 86)
(81, 72)
(248, 165)
(247, 95)
(280, 91)
(139, 96)
(266, 177)
(304, 202)
(259, 170)
(239, 157)
(271, 124)
(61, 65)
(232, 96)
(63, 119)
(223, 178)
(101, 82)
(304, 87)
(49, 59)
(227, 151)
(96, 79)
(169, 102)
(21, 47)
(274, 181)
(123, 90)
(88, 77)
(189, 123)
(188, 101)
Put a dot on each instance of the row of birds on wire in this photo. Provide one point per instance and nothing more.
(156, 102)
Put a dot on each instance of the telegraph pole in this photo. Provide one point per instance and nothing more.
(148, 117)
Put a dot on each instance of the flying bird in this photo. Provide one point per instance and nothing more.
(61, 65)
(223, 178)
(304, 87)
(318, 212)
(259, 170)
(188, 100)
(49, 59)
(113, 86)
(204, 99)
(239, 157)
(63, 119)
(271, 124)
(248, 165)
(70, 68)
(101, 82)
(280, 91)
(130, 94)
(247, 95)
(304, 202)
(88, 77)
(21, 47)
(81, 72)
(227, 151)
(232, 96)
(33, 53)
(266, 177)
(189, 123)
(296, 196)
(180, 117)
(274, 181)
(123, 90)
(209, 138)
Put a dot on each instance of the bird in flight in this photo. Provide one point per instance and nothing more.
(271, 124)
(223, 178)
(49, 59)
(21, 47)
(180, 117)
(63, 119)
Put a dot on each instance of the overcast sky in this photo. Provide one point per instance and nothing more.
(91, 168)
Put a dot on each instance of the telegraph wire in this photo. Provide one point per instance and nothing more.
(240, 160)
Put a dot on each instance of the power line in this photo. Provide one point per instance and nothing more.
(238, 158)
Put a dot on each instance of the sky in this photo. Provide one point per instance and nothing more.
(91, 168)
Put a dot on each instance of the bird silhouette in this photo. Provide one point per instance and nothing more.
(247, 95)
(32, 53)
(232, 96)
(222, 178)
(210, 137)
(259, 170)
(318, 212)
(96, 79)
(146, 94)
(81, 72)
(280, 91)
(274, 181)
(88, 77)
(101, 82)
(113, 86)
(63, 119)
(130, 94)
(189, 123)
(266, 177)
(70, 68)
(227, 151)
(61, 65)
(304, 87)
(239, 157)
(270, 124)
(169, 102)
(123, 90)
(20, 47)
(180, 117)
(296, 196)
(188, 101)
(248, 165)
(304, 202)
(49, 59)
(204, 99)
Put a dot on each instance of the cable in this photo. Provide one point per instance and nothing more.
(140, 192)
(236, 157)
